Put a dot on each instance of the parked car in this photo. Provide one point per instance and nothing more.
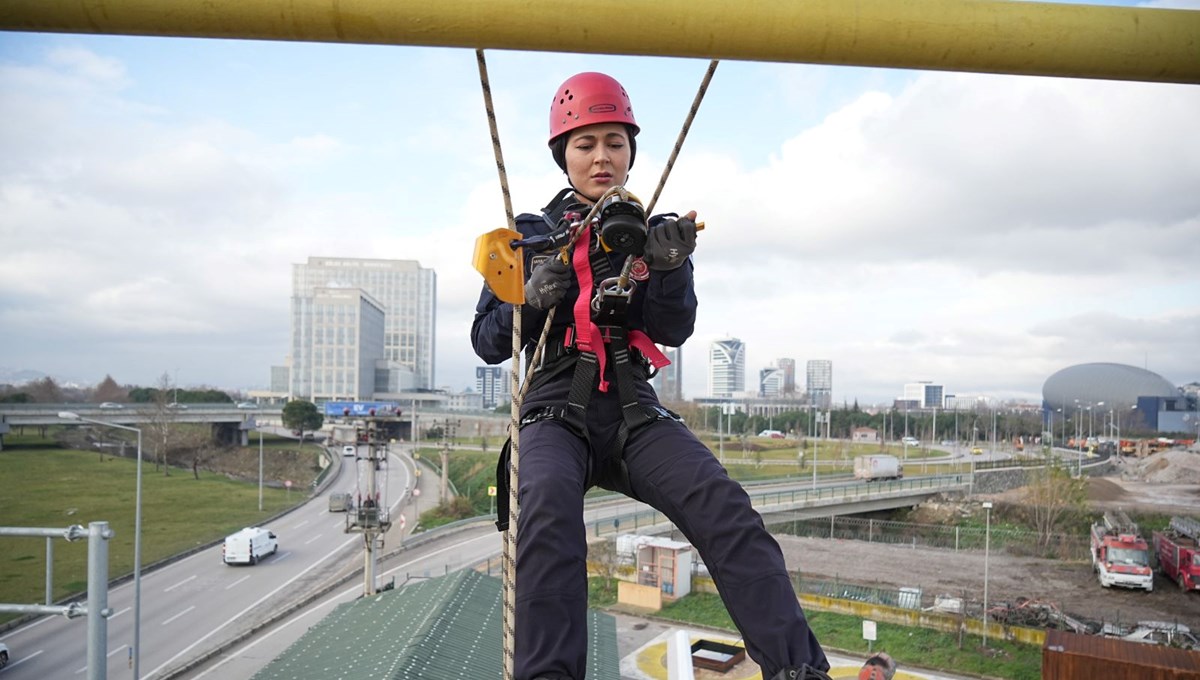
(247, 404)
(910, 441)
(110, 404)
(773, 434)
(976, 451)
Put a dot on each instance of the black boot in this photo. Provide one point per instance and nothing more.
(804, 672)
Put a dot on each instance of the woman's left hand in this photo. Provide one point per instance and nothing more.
(670, 243)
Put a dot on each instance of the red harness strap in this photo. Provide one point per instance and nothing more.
(588, 337)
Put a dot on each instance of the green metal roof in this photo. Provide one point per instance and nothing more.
(441, 629)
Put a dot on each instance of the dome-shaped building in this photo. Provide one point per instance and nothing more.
(1117, 385)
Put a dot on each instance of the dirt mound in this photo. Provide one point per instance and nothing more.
(1100, 489)
(1176, 466)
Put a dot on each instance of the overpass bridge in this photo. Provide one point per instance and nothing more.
(805, 502)
(229, 422)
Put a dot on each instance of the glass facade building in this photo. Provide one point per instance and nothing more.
(407, 295)
(726, 368)
(820, 382)
(337, 338)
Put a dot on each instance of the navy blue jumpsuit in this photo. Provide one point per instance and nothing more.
(668, 468)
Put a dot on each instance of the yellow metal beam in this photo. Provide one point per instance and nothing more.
(989, 36)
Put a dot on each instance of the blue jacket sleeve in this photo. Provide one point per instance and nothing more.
(669, 307)
(491, 332)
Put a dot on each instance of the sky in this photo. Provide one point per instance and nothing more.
(977, 231)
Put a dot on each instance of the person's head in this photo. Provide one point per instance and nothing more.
(592, 133)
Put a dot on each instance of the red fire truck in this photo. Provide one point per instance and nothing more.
(1178, 551)
(1120, 557)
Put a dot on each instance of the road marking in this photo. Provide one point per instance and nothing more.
(170, 588)
(297, 526)
(233, 655)
(339, 525)
(178, 615)
(23, 659)
(253, 605)
(314, 538)
(237, 582)
(282, 557)
(119, 613)
(109, 655)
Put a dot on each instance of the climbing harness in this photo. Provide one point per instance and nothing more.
(599, 327)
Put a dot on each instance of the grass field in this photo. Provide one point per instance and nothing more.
(49, 487)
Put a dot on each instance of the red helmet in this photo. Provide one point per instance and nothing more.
(587, 99)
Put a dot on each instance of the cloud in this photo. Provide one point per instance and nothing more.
(979, 231)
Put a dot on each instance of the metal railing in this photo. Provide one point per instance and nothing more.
(765, 501)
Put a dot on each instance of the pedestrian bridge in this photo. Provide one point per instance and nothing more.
(805, 502)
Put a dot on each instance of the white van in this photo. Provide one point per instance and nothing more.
(249, 545)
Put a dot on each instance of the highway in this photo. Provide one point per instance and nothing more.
(198, 602)
(201, 618)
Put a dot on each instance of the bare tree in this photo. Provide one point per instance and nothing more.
(163, 423)
(45, 391)
(1049, 496)
(602, 554)
(109, 390)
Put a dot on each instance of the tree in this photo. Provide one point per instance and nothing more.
(1050, 496)
(302, 415)
(45, 391)
(162, 426)
(109, 390)
(604, 559)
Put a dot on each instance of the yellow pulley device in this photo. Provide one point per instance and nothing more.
(502, 266)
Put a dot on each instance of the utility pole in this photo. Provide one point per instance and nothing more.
(370, 518)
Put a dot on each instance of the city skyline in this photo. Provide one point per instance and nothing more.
(982, 230)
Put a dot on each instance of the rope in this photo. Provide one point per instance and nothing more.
(687, 125)
(509, 558)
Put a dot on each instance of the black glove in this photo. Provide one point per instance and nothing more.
(548, 283)
(669, 243)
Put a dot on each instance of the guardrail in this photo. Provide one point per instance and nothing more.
(632, 522)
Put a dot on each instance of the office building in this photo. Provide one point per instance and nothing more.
(926, 394)
(726, 367)
(820, 382)
(337, 339)
(770, 382)
(669, 381)
(404, 290)
(490, 382)
(788, 366)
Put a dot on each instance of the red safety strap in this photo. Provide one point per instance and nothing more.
(646, 346)
(591, 339)
(587, 335)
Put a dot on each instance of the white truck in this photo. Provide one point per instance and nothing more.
(876, 467)
(249, 545)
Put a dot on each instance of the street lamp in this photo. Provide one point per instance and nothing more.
(137, 537)
(987, 545)
(260, 469)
